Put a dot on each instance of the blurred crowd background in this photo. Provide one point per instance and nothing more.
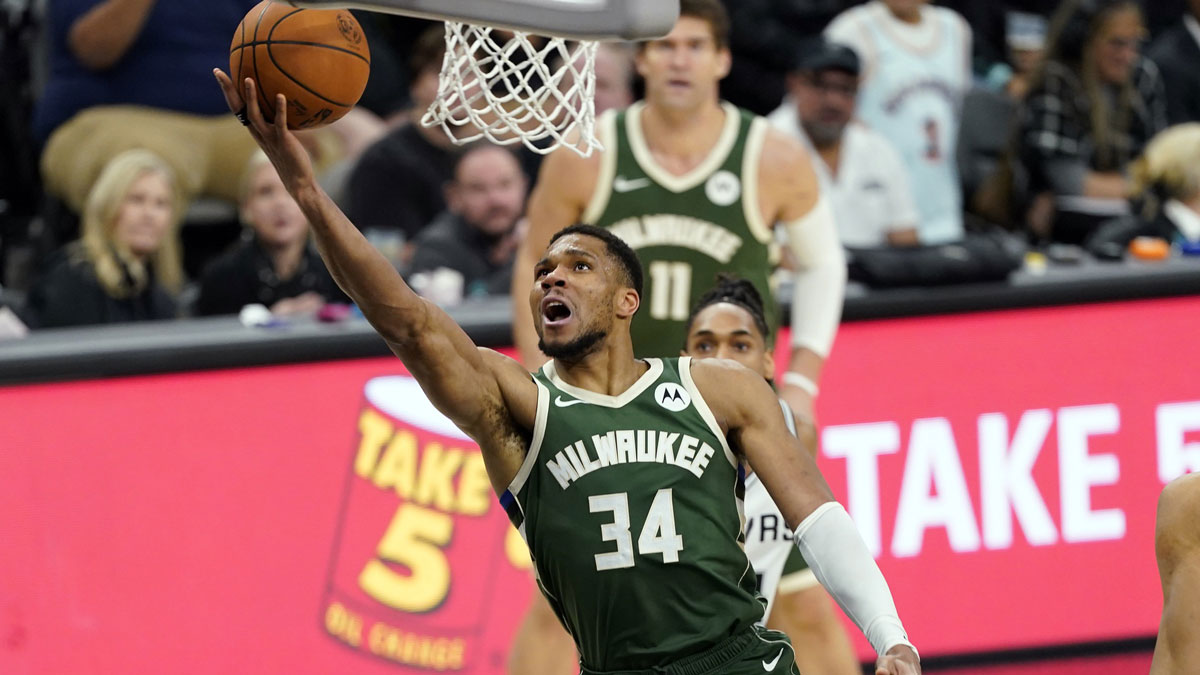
(1066, 132)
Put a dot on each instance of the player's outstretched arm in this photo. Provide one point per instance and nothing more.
(564, 186)
(746, 408)
(453, 372)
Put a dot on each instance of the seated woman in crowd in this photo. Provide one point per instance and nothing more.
(1166, 180)
(126, 265)
(274, 264)
(1090, 111)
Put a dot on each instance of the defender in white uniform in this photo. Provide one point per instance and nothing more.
(728, 322)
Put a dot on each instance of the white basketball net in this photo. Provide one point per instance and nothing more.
(525, 88)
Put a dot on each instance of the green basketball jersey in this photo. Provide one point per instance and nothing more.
(687, 228)
(632, 509)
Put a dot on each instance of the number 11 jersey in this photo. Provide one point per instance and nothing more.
(632, 509)
(687, 228)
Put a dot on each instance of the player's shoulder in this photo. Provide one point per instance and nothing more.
(504, 367)
(721, 376)
(781, 151)
(567, 176)
(786, 173)
(568, 154)
(1180, 499)
(1175, 532)
(517, 388)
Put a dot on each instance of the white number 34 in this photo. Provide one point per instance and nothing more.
(657, 536)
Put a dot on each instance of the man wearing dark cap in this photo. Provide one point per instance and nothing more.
(857, 167)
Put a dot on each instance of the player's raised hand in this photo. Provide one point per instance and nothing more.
(281, 146)
(899, 660)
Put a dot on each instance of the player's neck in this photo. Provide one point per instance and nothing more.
(681, 139)
(610, 370)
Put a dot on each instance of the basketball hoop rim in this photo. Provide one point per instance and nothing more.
(588, 20)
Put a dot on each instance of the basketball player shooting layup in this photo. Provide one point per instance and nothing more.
(696, 187)
(619, 473)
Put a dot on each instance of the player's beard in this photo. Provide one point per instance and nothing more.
(576, 349)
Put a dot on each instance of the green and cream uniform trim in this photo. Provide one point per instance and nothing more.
(632, 509)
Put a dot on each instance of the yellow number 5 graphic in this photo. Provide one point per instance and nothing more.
(415, 540)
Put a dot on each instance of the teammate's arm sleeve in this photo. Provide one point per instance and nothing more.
(842, 563)
(820, 282)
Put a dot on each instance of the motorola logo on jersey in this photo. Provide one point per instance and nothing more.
(723, 188)
(672, 396)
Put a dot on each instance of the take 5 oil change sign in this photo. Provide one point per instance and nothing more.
(422, 546)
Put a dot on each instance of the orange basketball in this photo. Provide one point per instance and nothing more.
(317, 58)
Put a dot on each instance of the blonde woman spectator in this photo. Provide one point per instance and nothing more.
(126, 265)
(1166, 180)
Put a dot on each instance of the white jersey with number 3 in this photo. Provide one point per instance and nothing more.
(914, 78)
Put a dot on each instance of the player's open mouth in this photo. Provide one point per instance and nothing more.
(555, 312)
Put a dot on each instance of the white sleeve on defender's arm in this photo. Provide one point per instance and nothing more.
(839, 557)
(820, 282)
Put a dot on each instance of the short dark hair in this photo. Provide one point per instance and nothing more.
(735, 291)
(711, 11)
(615, 246)
(465, 151)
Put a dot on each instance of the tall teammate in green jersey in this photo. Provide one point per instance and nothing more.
(695, 186)
(686, 229)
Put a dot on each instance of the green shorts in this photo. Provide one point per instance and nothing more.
(753, 652)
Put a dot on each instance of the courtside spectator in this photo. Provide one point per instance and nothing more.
(992, 28)
(857, 167)
(275, 264)
(1177, 53)
(396, 188)
(138, 74)
(990, 108)
(1091, 110)
(126, 266)
(477, 236)
(916, 63)
(1166, 184)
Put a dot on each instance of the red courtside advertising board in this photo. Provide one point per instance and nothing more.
(324, 518)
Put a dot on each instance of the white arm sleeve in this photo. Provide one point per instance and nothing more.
(839, 557)
(820, 282)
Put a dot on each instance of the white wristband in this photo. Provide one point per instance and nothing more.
(795, 379)
(836, 553)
